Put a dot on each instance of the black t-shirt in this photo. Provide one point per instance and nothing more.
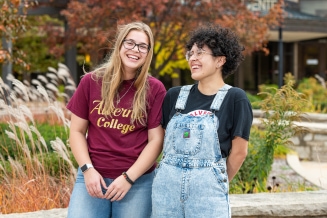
(235, 115)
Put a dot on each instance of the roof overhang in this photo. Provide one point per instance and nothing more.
(295, 36)
(294, 30)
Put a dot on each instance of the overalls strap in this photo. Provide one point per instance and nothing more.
(182, 97)
(216, 103)
(185, 91)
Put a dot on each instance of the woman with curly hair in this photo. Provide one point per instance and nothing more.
(207, 131)
(115, 131)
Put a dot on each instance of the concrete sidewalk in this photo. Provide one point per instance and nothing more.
(314, 172)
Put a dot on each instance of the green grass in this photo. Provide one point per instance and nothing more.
(48, 132)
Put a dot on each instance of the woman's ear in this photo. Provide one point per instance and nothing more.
(221, 61)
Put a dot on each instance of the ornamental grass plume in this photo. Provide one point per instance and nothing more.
(34, 175)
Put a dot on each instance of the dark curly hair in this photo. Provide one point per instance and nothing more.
(222, 41)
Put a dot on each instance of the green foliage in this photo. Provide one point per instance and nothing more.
(282, 108)
(243, 182)
(55, 164)
(267, 88)
(281, 151)
(49, 132)
(264, 88)
(255, 100)
(315, 93)
(50, 161)
(310, 88)
(39, 57)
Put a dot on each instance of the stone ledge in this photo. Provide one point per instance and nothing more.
(320, 128)
(307, 117)
(273, 205)
(286, 205)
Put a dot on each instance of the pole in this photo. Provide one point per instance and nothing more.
(70, 57)
(281, 57)
(7, 65)
(7, 68)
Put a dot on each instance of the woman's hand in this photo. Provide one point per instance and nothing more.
(118, 189)
(93, 182)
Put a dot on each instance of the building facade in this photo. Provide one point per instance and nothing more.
(303, 36)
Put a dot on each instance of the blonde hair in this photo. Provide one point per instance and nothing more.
(111, 73)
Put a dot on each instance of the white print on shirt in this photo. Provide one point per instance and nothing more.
(203, 112)
(199, 112)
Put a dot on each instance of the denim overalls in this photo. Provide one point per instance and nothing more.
(191, 179)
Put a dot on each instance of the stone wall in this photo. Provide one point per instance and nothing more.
(277, 205)
(263, 205)
(312, 145)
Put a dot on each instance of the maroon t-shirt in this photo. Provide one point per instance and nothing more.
(114, 143)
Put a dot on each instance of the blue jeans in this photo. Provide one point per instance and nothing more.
(190, 193)
(136, 203)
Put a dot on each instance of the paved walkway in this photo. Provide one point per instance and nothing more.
(314, 172)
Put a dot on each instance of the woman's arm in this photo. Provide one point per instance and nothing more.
(77, 141)
(78, 144)
(236, 157)
(118, 189)
(149, 155)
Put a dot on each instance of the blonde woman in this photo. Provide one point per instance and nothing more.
(115, 132)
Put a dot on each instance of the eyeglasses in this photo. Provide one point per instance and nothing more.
(129, 44)
(198, 54)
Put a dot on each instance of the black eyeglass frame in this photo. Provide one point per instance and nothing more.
(135, 44)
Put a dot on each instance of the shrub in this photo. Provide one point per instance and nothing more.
(282, 108)
(315, 93)
(48, 132)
